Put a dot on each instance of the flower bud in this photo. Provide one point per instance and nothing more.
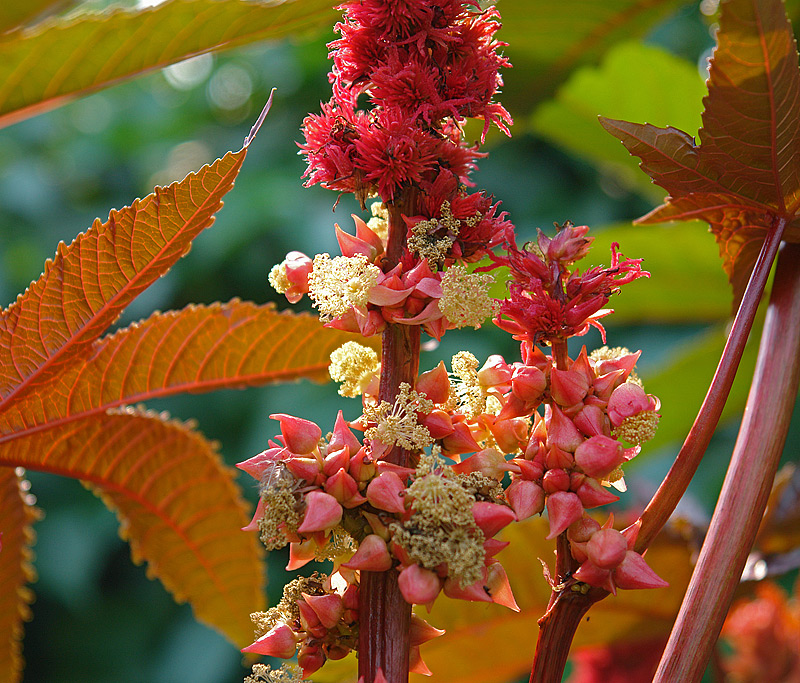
(300, 436)
(499, 587)
(607, 548)
(593, 495)
(561, 431)
(599, 455)
(323, 512)
(435, 384)
(280, 641)
(495, 373)
(418, 585)
(628, 399)
(555, 480)
(385, 492)
(526, 498)
(328, 608)
(568, 387)
(491, 517)
(633, 572)
(563, 509)
(372, 555)
(528, 383)
(310, 658)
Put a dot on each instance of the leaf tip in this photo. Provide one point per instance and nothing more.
(257, 125)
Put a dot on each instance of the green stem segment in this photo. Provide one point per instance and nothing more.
(747, 485)
(384, 615)
(673, 487)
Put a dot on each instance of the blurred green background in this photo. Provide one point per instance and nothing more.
(97, 617)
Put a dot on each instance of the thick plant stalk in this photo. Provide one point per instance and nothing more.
(384, 615)
(673, 487)
(747, 485)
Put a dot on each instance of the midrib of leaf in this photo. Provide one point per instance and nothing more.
(255, 334)
(104, 315)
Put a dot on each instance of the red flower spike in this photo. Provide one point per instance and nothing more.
(491, 517)
(563, 508)
(633, 572)
(607, 548)
(435, 384)
(599, 456)
(526, 498)
(280, 641)
(372, 555)
(418, 585)
(300, 554)
(259, 513)
(499, 587)
(593, 495)
(561, 431)
(386, 493)
(323, 512)
(631, 533)
(568, 387)
(421, 631)
(301, 436)
(328, 608)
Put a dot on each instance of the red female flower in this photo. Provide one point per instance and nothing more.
(546, 301)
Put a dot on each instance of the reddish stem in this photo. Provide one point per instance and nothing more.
(557, 629)
(384, 616)
(747, 485)
(686, 463)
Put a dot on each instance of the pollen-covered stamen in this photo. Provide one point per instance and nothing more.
(442, 529)
(638, 428)
(281, 514)
(379, 223)
(465, 297)
(337, 284)
(339, 545)
(287, 611)
(355, 366)
(466, 384)
(264, 673)
(278, 278)
(397, 425)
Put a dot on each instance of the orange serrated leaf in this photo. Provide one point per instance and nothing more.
(200, 348)
(88, 284)
(16, 572)
(744, 176)
(61, 59)
(177, 503)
